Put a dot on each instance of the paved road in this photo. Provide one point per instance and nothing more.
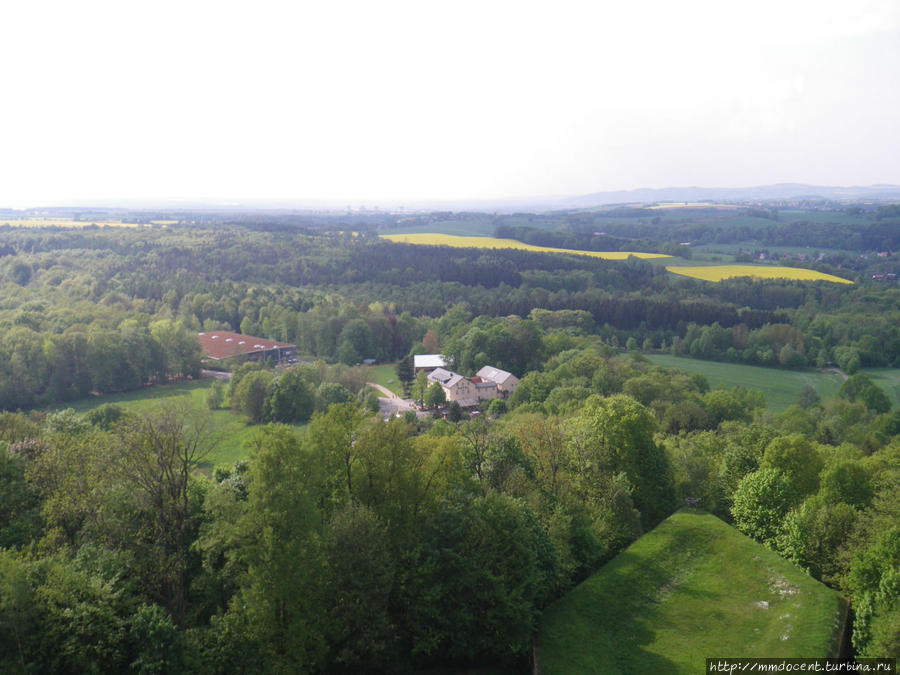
(390, 403)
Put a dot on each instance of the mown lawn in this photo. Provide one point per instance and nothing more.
(690, 589)
(231, 430)
(386, 376)
(780, 387)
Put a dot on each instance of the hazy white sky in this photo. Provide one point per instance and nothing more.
(370, 102)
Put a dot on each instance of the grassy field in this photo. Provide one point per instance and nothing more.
(692, 588)
(435, 239)
(63, 222)
(470, 228)
(231, 429)
(719, 272)
(781, 387)
(729, 249)
(386, 376)
(888, 379)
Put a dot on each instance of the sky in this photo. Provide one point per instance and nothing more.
(380, 102)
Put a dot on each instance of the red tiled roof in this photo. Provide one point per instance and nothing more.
(220, 344)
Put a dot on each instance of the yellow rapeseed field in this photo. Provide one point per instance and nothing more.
(431, 239)
(719, 272)
(62, 222)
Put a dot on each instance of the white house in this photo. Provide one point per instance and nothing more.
(456, 387)
(468, 391)
(506, 382)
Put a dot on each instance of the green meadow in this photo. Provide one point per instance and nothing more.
(780, 387)
(230, 429)
(692, 588)
(386, 376)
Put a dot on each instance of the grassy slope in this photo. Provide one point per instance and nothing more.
(686, 591)
(232, 430)
(781, 387)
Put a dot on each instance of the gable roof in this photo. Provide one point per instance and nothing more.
(494, 374)
(444, 377)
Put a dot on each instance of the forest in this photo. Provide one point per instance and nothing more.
(346, 543)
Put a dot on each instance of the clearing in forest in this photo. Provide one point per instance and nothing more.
(434, 239)
(720, 272)
(692, 588)
(231, 430)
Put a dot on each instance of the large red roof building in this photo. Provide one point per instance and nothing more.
(220, 344)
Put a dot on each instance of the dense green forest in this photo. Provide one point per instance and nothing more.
(358, 545)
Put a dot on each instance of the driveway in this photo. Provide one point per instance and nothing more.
(390, 403)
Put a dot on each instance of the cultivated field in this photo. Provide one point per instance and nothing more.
(435, 239)
(690, 589)
(779, 386)
(231, 430)
(719, 272)
(63, 222)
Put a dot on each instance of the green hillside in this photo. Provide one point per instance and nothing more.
(692, 588)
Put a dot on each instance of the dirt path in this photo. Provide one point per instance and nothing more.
(838, 371)
(384, 390)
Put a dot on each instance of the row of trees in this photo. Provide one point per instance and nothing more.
(37, 368)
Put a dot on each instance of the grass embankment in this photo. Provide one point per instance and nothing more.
(720, 272)
(231, 430)
(435, 239)
(779, 386)
(690, 589)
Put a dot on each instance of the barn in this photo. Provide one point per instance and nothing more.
(220, 344)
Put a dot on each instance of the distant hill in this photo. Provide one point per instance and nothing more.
(779, 191)
(692, 588)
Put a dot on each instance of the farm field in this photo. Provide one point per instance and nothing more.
(719, 272)
(691, 588)
(780, 387)
(231, 429)
(64, 222)
(435, 239)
